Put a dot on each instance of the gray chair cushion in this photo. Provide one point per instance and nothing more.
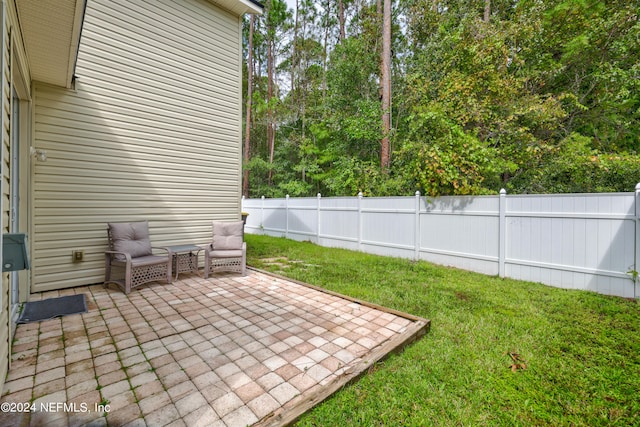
(227, 235)
(235, 253)
(131, 238)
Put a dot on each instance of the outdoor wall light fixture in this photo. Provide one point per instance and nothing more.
(40, 155)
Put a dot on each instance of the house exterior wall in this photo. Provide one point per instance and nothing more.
(151, 130)
(5, 71)
(14, 72)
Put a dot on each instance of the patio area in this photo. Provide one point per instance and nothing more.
(223, 351)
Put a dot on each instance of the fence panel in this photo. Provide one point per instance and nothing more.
(575, 241)
(254, 221)
(303, 218)
(274, 216)
(461, 232)
(388, 226)
(584, 241)
(339, 222)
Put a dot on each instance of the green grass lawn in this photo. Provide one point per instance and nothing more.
(581, 349)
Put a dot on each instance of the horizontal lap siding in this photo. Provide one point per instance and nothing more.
(151, 131)
(5, 121)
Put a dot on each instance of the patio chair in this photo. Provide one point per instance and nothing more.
(227, 251)
(130, 262)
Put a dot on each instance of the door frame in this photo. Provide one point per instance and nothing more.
(20, 173)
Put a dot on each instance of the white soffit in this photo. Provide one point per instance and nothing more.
(240, 7)
(51, 32)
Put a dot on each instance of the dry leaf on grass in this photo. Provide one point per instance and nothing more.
(518, 362)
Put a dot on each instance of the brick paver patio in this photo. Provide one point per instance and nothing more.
(225, 351)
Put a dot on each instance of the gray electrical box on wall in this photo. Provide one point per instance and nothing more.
(14, 252)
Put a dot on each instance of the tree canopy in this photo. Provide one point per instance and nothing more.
(529, 95)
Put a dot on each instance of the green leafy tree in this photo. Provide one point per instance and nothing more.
(439, 158)
(530, 95)
(592, 61)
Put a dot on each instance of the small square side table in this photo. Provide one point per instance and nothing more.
(185, 258)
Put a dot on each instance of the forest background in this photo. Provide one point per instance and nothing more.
(464, 97)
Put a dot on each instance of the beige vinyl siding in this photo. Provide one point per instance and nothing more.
(13, 59)
(151, 131)
(5, 120)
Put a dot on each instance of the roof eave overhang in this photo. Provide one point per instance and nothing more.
(51, 31)
(241, 7)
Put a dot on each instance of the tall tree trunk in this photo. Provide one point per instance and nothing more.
(341, 20)
(326, 50)
(247, 134)
(295, 54)
(271, 134)
(385, 80)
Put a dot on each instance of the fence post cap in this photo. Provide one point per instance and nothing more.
(638, 186)
(360, 194)
(418, 193)
(503, 191)
(262, 197)
(318, 195)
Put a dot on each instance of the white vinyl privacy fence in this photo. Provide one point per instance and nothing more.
(573, 241)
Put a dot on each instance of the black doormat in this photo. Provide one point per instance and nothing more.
(36, 311)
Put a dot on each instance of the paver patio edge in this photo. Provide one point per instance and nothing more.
(294, 409)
